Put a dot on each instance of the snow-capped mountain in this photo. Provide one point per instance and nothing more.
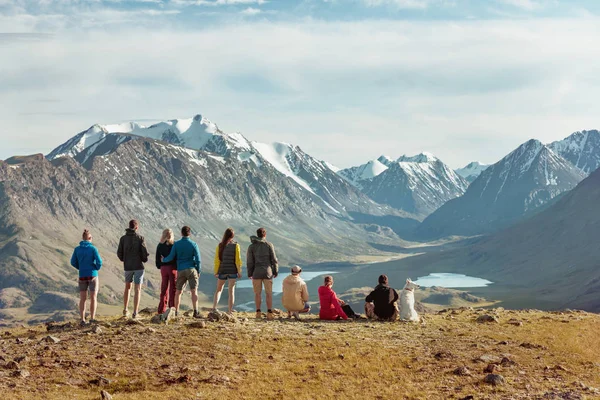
(418, 184)
(527, 178)
(472, 170)
(582, 149)
(198, 133)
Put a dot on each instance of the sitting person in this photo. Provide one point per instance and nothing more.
(295, 294)
(331, 306)
(382, 302)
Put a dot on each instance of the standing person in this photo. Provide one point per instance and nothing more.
(331, 306)
(168, 271)
(228, 267)
(295, 294)
(262, 268)
(133, 253)
(381, 303)
(86, 259)
(187, 254)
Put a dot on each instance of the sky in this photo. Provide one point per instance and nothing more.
(346, 80)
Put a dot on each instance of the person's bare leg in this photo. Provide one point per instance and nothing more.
(195, 299)
(82, 299)
(257, 300)
(231, 290)
(93, 304)
(218, 292)
(269, 297)
(136, 298)
(126, 296)
(177, 299)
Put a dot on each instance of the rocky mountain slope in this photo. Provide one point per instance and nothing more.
(47, 204)
(519, 355)
(527, 178)
(582, 149)
(548, 261)
(418, 185)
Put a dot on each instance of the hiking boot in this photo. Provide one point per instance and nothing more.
(83, 323)
(296, 315)
(126, 313)
(270, 316)
(258, 315)
(177, 313)
(196, 314)
(134, 316)
(93, 321)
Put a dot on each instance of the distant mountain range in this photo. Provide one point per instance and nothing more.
(527, 178)
(418, 185)
(188, 171)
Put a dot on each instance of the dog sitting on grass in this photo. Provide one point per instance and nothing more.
(407, 302)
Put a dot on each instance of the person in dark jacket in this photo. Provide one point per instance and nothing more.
(189, 262)
(133, 253)
(228, 267)
(262, 268)
(88, 262)
(381, 303)
(168, 271)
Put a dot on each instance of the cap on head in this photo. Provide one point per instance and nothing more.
(383, 279)
(296, 270)
(133, 224)
(186, 231)
(261, 232)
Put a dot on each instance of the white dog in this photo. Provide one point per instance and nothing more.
(407, 302)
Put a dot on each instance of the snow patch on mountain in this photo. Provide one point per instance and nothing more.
(472, 170)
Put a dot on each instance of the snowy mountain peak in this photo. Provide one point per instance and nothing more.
(582, 149)
(423, 157)
(385, 160)
(472, 170)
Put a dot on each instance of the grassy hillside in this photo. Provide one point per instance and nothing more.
(539, 355)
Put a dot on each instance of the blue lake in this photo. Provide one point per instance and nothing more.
(278, 282)
(449, 280)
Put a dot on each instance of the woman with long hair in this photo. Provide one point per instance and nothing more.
(87, 260)
(331, 305)
(228, 267)
(168, 271)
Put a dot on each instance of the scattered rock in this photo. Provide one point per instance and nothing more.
(148, 311)
(157, 319)
(216, 315)
(150, 330)
(21, 359)
(134, 322)
(100, 381)
(96, 329)
(507, 362)
(488, 358)
(503, 343)
(104, 395)
(51, 339)
(12, 365)
(486, 318)
(22, 373)
(515, 322)
(184, 379)
(494, 379)
(534, 346)
(462, 371)
(490, 369)
(197, 324)
(469, 397)
(443, 355)
(341, 356)
(218, 380)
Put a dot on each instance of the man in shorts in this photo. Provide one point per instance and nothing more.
(133, 253)
(262, 268)
(187, 254)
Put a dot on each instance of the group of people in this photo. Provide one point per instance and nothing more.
(180, 265)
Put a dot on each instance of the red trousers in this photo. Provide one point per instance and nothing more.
(167, 287)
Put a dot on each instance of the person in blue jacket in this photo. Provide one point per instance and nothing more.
(87, 260)
(185, 251)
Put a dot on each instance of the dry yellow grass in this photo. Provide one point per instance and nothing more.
(311, 359)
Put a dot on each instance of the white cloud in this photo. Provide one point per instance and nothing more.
(342, 91)
(218, 2)
(250, 11)
(420, 4)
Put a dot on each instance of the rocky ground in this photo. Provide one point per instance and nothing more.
(458, 354)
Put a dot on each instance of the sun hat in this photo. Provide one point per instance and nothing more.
(296, 269)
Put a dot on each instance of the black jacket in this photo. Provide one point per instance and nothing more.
(384, 298)
(163, 249)
(132, 251)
